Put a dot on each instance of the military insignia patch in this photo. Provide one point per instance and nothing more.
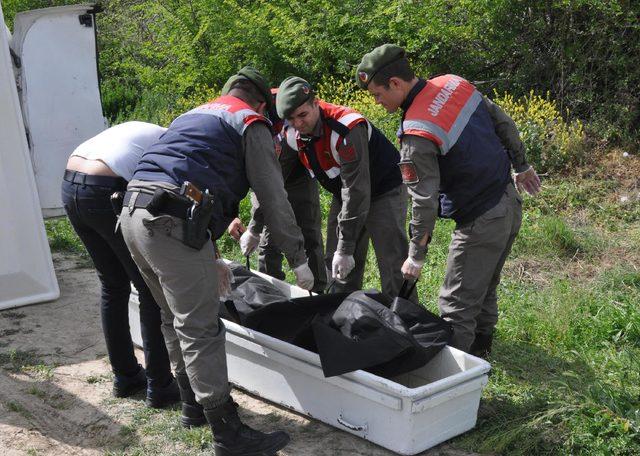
(363, 76)
(409, 172)
(347, 153)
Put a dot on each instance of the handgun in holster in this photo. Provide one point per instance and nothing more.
(196, 225)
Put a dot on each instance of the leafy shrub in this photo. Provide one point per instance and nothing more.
(584, 52)
(118, 100)
(553, 143)
(161, 109)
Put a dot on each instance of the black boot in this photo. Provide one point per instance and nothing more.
(163, 396)
(481, 346)
(233, 438)
(192, 413)
(125, 386)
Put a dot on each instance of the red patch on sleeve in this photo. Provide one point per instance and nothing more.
(347, 153)
(409, 172)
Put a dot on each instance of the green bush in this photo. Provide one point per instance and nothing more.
(583, 52)
(553, 143)
(162, 109)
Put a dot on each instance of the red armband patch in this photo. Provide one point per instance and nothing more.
(347, 153)
(409, 172)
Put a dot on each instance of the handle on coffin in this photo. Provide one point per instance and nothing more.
(352, 427)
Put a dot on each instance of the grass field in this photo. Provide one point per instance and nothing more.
(566, 362)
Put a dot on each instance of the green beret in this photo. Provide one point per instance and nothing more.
(254, 77)
(291, 94)
(373, 61)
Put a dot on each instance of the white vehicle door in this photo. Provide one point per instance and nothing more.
(59, 91)
(26, 269)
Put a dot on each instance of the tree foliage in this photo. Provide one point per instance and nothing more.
(583, 52)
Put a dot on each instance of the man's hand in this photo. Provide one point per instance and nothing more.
(342, 265)
(248, 242)
(236, 228)
(304, 276)
(411, 269)
(528, 181)
(225, 279)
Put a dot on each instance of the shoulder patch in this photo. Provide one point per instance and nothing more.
(409, 172)
(347, 152)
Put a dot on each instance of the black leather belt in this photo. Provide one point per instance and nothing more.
(76, 177)
(174, 207)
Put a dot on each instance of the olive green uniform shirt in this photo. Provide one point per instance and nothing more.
(425, 192)
(355, 193)
(265, 178)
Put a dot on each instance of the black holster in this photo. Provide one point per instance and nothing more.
(196, 217)
(196, 232)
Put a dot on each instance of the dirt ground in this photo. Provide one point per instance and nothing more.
(55, 386)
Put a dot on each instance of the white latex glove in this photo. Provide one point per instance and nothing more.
(225, 279)
(342, 265)
(528, 181)
(411, 268)
(304, 276)
(248, 242)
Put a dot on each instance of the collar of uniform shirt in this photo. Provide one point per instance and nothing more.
(412, 94)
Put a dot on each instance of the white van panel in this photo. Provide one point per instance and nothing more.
(59, 91)
(26, 269)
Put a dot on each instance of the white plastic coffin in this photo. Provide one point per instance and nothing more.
(59, 92)
(408, 415)
(26, 269)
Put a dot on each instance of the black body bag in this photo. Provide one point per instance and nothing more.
(386, 337)
(350, 331)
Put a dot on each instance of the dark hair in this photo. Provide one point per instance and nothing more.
(252, 95)
(398, 68)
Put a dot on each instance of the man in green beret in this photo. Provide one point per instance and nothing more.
(354, 161)
(303, 195)
(184, 193)
(457, 150)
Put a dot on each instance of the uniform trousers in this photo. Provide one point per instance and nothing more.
(184, 282)
(385, 225)
(477, 253)
(305, 202)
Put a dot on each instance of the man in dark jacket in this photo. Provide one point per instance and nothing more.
(186, 187)
(457, 149)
